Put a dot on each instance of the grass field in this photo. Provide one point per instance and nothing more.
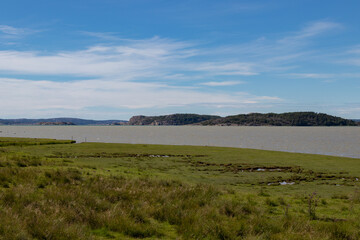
(59, 190)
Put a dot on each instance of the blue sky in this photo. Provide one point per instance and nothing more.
(112, 59)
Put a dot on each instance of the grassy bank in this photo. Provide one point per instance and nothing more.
(56, 190)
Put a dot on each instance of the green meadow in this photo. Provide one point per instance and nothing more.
(56, 189)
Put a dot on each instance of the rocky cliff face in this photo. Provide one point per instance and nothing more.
(137, 120)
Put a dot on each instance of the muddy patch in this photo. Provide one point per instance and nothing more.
(235, 168)
(118, 155)
(297, 176)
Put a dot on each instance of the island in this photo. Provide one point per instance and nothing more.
(180, 119)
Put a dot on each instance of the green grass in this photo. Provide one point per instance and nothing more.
(55, 190)
(26, 142)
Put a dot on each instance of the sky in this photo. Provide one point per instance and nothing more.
(112, 59)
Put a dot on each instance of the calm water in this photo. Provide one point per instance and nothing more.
(340, 141)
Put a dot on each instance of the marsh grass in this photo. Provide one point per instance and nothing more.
(72, 192)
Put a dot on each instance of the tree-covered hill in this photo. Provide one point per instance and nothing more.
(283, 119)
(173, 119)
(58, 121)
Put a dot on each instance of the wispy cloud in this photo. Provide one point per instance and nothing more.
(109, 36)
(310, 75)
(221, 84)
(10, 35)
(311, 30)
(143, 60)
(349, 111)
(264, 55)
(351, 56)
(226, 68)
(323, 77)
(355, 50)
(7, 31)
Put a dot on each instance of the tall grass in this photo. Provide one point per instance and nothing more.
(68, 205)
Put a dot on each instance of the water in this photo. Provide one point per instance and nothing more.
(337, 141)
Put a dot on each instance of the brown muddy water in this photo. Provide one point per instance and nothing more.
(337, 141)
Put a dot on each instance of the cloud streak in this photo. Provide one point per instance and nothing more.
(154, 57)
(10, 35)
(274, 55)
(222, 84)
(311, 75)
(7, 31)
(311, 30)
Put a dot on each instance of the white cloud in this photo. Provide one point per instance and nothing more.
(24, 96)
(220, 84)
(124, 76)
(130, 73)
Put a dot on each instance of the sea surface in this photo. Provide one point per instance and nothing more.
(337, 141)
